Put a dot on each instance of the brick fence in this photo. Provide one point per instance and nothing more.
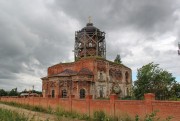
(113, 106)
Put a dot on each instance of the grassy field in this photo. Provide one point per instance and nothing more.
(7, 115)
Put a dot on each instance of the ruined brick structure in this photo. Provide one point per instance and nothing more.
(90, 73)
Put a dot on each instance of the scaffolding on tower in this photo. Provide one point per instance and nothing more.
(89, 41)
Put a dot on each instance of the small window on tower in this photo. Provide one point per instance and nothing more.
(90, 44)
(101, 76)
(126, 77)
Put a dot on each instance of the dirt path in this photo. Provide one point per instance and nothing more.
(35, 115)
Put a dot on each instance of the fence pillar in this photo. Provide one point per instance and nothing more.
(88, 101)
(113, 97)
(149, 97)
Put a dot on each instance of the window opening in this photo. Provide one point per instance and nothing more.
(82, 93)
(53, 92)
(64, 93)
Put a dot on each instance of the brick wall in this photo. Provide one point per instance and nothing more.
(113, 107)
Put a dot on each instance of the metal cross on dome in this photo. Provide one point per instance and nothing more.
(89, 19)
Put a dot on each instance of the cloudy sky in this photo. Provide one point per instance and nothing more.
(35, 34)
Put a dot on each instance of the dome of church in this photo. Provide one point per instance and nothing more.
(90, 28)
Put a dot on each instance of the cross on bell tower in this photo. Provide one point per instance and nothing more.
(89, 19)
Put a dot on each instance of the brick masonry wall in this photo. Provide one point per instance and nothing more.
(76, 66)
(112, 107)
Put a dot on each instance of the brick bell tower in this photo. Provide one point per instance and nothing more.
(89, 41)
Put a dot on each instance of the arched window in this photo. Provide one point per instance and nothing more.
(101, 92)
(64, 93)
(100, 76)
(118, 75)
(90, 44)
(82, 93)
(53, 93)
(126, 77)
(100, 44)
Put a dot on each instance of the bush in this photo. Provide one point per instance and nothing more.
(60, 112)
(128, 98)
(99, 116)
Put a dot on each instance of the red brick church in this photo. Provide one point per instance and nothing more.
(90, 73)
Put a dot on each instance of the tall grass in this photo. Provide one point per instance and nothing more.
(7, 115)
(60, 112)
(101, 116)
(29, 107)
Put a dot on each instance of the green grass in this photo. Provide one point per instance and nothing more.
(60, 112)
(29, 107)
(7, 115)
(101, 116)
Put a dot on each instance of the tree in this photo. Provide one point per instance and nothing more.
(175, 91)
(13, 92)
(3, 93)
(32, 91)
(118, 59)
(152, 79)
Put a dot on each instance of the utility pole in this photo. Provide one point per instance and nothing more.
(32, 88)
(179, 48)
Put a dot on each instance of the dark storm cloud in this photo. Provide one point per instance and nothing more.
(37, 34)
(144, 15)
(30, 41)
(149, 17)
